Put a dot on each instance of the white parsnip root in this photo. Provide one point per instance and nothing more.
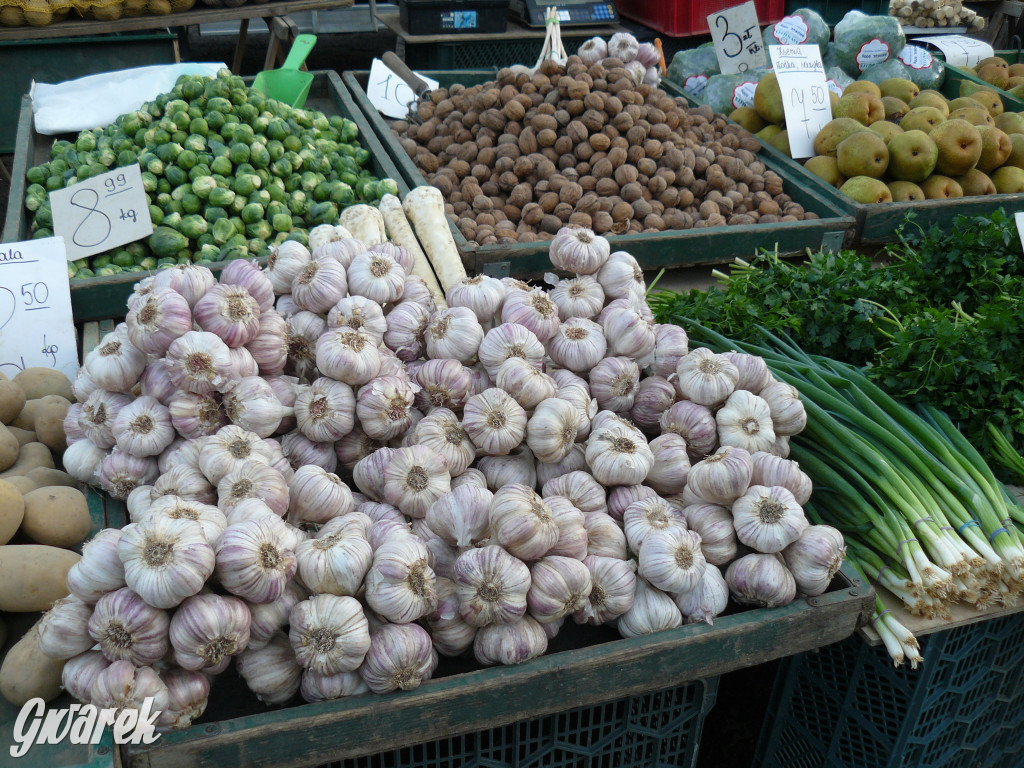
(424, 207)
(400, 232)
(365, 223)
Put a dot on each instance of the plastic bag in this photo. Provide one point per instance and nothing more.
(923, 69)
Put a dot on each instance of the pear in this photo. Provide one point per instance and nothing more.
(895, 109)
(959, 145)
(994, 75)
(1017, 91)
(885, 129)
(1016, 70)
(941, 187)
(1014, 81)
(865, 108)
(748, 118)
(922, 119)
(826, 167)
(781, 142)
(768, 99)
(963, 102)
(1010, 122)
(833, 132)
(969, 87)
(995, 148)
(767, 133)
(989, 100)
(975, 183)
(865, 189)
(931, 99)
(862, 154)
(833, 101)
(1016, 157)
(912, 156)
(997, 61)
(863, 86)
(899, 88)
(1009, 180)
(973, 115)
(905, 191)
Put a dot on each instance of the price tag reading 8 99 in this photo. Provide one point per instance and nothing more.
(102, 212)
(737, 38)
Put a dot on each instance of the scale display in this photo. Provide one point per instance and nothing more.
(570, 12)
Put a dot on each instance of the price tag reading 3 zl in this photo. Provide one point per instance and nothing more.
(102, 212)
(805, 97)
(737, 37)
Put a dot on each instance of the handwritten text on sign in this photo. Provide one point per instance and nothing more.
(101, 213)
(389, 93)
(36, 329)
(737, 37)
(804, 94)
(959, 50)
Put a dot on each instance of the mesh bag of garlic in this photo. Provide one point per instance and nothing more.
(332, 480)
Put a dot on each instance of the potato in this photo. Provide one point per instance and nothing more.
(32, 455)
(23, 436)
(27, 673)
(57, 516)
(22, 483)
(12, 510)
(27, 418)
(12, 400)
(9, 449)
(49, 422)
(33, 576)
(40, 382)
(44, 476)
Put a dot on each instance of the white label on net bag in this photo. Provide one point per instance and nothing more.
(743, 94)
(874, 51)
(834, 87)
(792, 30)
(916, 58)
(695, 84)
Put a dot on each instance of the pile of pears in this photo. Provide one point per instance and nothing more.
(999, 73)
(892, 141)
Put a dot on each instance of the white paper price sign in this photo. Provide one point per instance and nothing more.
(804, 94)
(36, 329)
(737, 37)
(959, 50)
(389, 93)
(101, 213)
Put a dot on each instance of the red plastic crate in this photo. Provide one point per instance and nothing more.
(679, 18)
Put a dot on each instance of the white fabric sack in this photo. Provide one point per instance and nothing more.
(96, 101)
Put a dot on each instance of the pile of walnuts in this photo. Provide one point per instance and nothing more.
(520, 157)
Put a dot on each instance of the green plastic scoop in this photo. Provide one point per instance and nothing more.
(288, 84)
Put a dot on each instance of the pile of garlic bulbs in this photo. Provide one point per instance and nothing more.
(521, 458)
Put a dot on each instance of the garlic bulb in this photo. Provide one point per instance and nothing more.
(299, 450)
(648, 516)
(628, 333)
(120, 473)
(232, 448)
(81, 672)
(593, 51)
(579, 250)
(83, 385)
(378, 511)
(252, 563)
(768, 519)
(671, 464)
(559, 586)
(316, 687)
(753, 371)
(368, 472)
(329, 634)
(416, 291)
(187, 696)
(696, 424)
(453, 333)
(551, 430)
(815, 558)
(533, 310)
(494, 421)
(443, 384)
(605, 537)
(620, 275)
(522, 523)
(354, 446)
(442, 433)
(304, 330)
(165, 560)
(376, 276)
(527, 385)
(613, 382)
(713, 523)
(574, 461)
(359, 314)
(706, 378)
(185, 482)
(671, 559)
(180, 453)
(406, 332)
(127, 627)
(670, 345)
(319, 285)
(462, 516)
(787, 412)
(572, 532)
(254, 480)
(348, 356)
(618, 456)
(774, 470)
(449, 632)
(580, 489)
(509, 644)
(316, 496)
(161, 317)
(613, 584)
(242, 363)
(254, 509)
(415, 478)
(99, 570)
(383, 407)
(124, 686)
(654, 396)
(268, 618)
(199, 362)
(745, 421)
(441, 555)
(190, 280)
(116, 364)
(492, 586)
(194, 416)
(63, 631)
(96, 419)
(247, 275)
(325, 410)
(621, 497)
(400, 658)
(210, 518)
(335, 561)
(271, 671)
(207, 630)
(722, 477)
(760, 580)
(509, 340)
(578, 345)
(624, 47)
(577, 297)
(400, 583)
(473, 478)
(652, 611)
(229, 312)
(518, 467)
(705, 601)
(481, 294)
(342, 249)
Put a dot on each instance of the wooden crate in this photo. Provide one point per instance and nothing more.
(102, 297)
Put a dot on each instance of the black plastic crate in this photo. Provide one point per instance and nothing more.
(445, 17)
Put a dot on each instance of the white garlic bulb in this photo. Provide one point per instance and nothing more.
(578, 345)
(707, 600)
(271, 671)
(121, 473)
(775, 470)
(210, 518)
(533, 310)
(618, 455)
(304, 330)
(441, 555)
(158, 319)
(229, 312)
(252, 562)
(401, 657)
(509, 340)
(115, 364)
(441, 432)
(329, 634)
(621, 497)
(406, 333)
(580, 488)
(187, 696)
(551, 430)
(579, 250)
(268, 618)
(580, 296)
(671, 559)
(745, 421)
(80, 672)
(453, 334)
(713, 523)
(450, 633)
(376, 276)
(400, 583)
(298, 450)
(254, 480)
(525, 383)
(190, 280)
(325, 410)
(574, 461)
(269, 348)
(230, 449)
(384, 407)
(348, 356)
(620, 275)
(461, 517)
(99, 570)
(96, 419)
(722, 477)
(760, 580)
(316, 687)
(63, 631)
(359, 314)
(336, 560)
(495, 422)
(671, 464)
(82, 460)
(706, 378)
(165, 560)
(654, 396)
(522, 523)
(753, 371)
(628, 333)
(492, 586)
(605, 537)
(123, 686)
(512, 643)
(368, 472)
(471, 477)
(768, 519)
(694, 423)
(613, 383)
(559, 586)
(648, 516)
(518, 467)
(572, 531)
(207, 630)
(127, 627)
(670, 345)
(319, 285)
(284, 263)
(199, 362)
(194, 416)
(815, 558)
(787, 412)
(185, 482)
(652, 611)
(480, 293)
(443, 384)
(415, 478)
(613, 584)
(316, 496)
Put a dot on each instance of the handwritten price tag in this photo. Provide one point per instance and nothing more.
(389, 93)
(102, 212)
(737, 37)
(959, 50)
(36, 328)
(804, 94)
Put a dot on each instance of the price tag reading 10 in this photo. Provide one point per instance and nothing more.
(101, 212)
(805, 98)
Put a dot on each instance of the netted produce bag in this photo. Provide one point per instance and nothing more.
(101, 10)
(11, 14)
(179, 6)
(159, 7)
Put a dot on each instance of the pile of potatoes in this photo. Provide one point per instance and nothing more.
(43, 516)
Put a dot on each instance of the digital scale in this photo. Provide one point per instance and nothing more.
(570, 12)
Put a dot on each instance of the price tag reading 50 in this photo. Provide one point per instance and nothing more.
(101, 213)
(805, 98)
